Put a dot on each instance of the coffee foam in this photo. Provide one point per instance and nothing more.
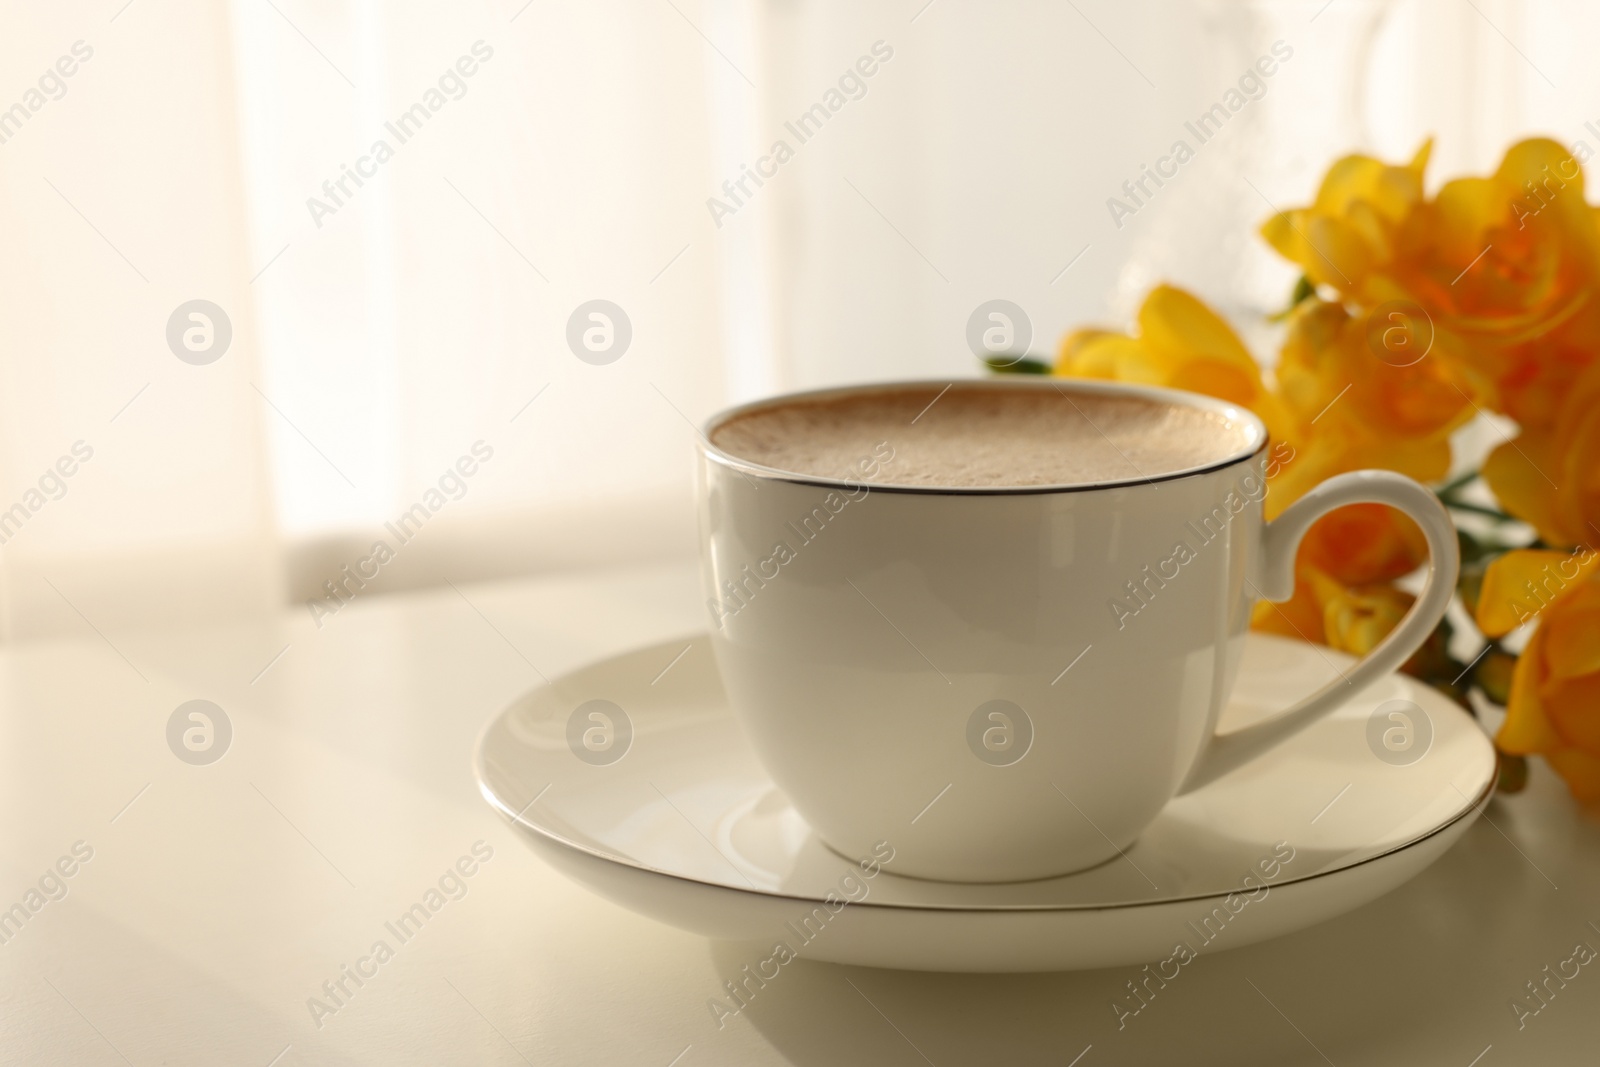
(974, 436)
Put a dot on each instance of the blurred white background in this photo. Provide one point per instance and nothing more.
(375, 345)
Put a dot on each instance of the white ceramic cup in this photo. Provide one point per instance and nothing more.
(1010, 683)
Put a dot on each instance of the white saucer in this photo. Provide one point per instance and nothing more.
(685, 827)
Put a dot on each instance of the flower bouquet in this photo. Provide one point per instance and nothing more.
(1413, 317)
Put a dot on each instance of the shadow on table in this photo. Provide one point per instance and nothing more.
(1422, 974)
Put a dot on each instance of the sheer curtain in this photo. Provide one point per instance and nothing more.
(399, 368)
(384, 341)
(980, 162)
(543, 156)
(121, 195)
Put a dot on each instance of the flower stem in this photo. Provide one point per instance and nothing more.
(1455, 484)
(1476, 509)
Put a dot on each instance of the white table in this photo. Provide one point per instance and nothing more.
(219, 898)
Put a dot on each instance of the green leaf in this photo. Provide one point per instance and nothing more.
(1303, 290)
(1009, 364)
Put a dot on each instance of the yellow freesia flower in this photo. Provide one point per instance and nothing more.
(1555, 689)
(1356, 228)
(1550, 477)
(1334, 365)
(1485, 296)
(1364, 544)
(1337, 407)
(1350, 618)
(1300, 617)
(1356, 619)
(1353, 409)
(1504, 269)
(1181, 344)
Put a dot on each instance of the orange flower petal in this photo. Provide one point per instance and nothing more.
(1425, 460)
(1572, 707)
(1180, 327)
(1112, 356)
(1361, 180)
(1572, 643)
(1216, 378)
(1558, 185)
(1334, 253)
(1506, 600)
(1463, 209)
(1299, 617)
(1329, 252)
(1526, 730)
(1581, 398)
(1581, 771)
(1537, 159)
(1075, 342)
(1522, 473)
(1282, 233)
(1364, 544)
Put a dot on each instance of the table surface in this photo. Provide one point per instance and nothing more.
(217, 899)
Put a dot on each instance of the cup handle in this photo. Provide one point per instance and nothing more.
(1280, 539)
